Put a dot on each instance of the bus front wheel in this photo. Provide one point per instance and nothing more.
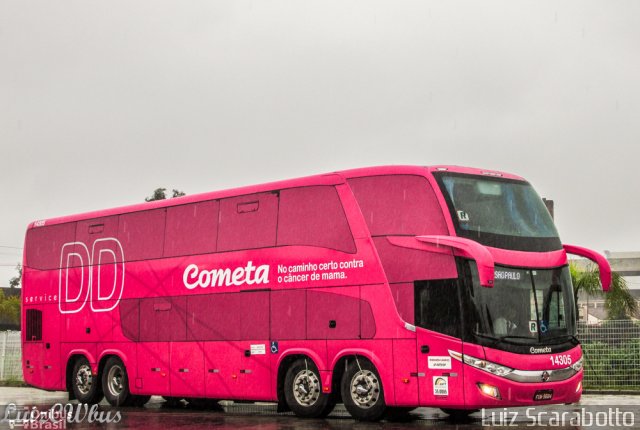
(85, 385)
(361, 390)
(303, 390)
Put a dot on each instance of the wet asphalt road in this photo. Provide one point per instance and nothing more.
(156, 415)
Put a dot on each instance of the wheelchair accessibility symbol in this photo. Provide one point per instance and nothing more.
(274, 347)
(543, 327)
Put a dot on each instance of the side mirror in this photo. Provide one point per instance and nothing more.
(468, 248)
(603, 264)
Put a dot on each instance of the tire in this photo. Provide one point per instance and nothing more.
(84, 384)
(362, 391)
(115, 383)
(458, 414)
(303, 390)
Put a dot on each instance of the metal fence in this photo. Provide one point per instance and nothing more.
(10, 356)
(612, 355)
(611, 350)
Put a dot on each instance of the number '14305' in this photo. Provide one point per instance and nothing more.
(560, 360)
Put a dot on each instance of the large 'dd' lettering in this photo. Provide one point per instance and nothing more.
(97, 278)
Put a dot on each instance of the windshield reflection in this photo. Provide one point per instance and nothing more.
(499, 212)
(524, 307)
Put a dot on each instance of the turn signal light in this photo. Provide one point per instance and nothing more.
(579, 387)
(490, 391)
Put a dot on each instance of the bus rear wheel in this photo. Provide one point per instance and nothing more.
(303, 390)
(84, 384)
(115, 383)
(361, 390)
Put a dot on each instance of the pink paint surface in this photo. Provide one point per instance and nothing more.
(324, 266)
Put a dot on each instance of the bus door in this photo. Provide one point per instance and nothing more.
(237, 370)
(438, 332)
(51, 365)
(254, 374)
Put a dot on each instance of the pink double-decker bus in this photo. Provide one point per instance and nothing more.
(384, 288)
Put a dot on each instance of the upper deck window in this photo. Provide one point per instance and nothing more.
(191, 229)
(313, 216)
(398, 205)
(497, 212)
(248, 222)
(44, 244)
(142, 234)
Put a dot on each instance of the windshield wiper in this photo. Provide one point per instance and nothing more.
(570, 337)
(503, 338)
(497, 340)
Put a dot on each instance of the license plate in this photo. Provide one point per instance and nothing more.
(541, 395)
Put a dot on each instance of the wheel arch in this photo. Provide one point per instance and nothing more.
(284, 361)
(108, 353)
(72, 357)
(340, 361)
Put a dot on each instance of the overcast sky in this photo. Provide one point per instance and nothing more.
(102, 102)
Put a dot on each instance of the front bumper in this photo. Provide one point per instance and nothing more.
(514, 393)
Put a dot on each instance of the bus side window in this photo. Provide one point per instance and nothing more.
(162, 319)
(90, 230)
(192, 229)
(437, 306)
(398, 205)
(228, 316)
(33, 329)
(44, 244)
(141, 234)
(313, 216)
(248, 222)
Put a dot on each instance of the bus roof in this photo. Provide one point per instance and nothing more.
(333, 178)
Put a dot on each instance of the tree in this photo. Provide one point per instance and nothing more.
(15, 281)
(160, 194)
(9, 310)
(618, 302)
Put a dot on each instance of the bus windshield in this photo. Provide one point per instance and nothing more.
(499, 212)
(525, 306)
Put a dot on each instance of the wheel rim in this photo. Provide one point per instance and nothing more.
(84, 379)
(365, 389)
(306, 388)
(115, 380)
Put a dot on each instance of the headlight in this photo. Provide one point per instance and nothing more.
(487, 366)
(490, 390)
(577, 366)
